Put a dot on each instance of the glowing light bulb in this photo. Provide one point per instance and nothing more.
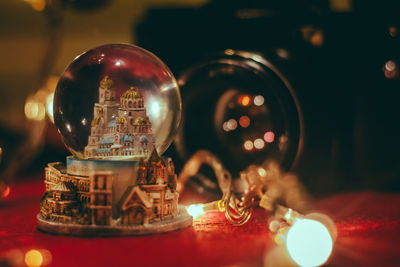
(33, 258)
(309, 243)
(196, 210)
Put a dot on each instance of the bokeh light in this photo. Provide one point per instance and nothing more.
(309, 243)
(33, 258)
(232, 124)
(196, 210)
(248, 145)
(269, 137)
(259, 100)
(244, 100)
(244, 121)
(259, 143)
(34, 109)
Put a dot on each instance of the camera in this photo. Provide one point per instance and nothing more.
(312, 85)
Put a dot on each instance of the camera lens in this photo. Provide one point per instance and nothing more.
(241, 108)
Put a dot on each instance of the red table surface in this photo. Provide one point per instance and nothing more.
(367, 224)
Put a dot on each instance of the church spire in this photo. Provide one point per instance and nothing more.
(154, 157)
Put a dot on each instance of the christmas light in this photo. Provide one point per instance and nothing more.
(198, 210)
(308, 242)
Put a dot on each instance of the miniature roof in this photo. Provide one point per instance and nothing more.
(130, 192)
(154, 157)
(59, 166)
(107, 83)
(131, 94)
(63, 186)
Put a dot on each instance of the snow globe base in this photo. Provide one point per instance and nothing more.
(91, 197)
(182, 220)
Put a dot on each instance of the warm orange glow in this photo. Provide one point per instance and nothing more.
(259, 143)
(37, 5)
(269, 137)
(317, 39)
(244, 121)
(6, 192)
(49, 106)
(35, 110)
(229, 52)
(244, 100)
(33, 258)
(248, 145)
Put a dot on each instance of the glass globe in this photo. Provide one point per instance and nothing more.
(252, 113)
(117, 101)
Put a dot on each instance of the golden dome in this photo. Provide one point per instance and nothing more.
(120, 120)
(132, 93)
(107, 83)
(140, 121)
(96, 121)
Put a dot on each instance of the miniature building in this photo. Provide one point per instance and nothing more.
(60, 203)
(101, 198)
(88, 199)
(154, 197)
(122, 129)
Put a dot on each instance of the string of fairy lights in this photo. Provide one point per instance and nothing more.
(303, 240)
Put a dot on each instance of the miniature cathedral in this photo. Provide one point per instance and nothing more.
(119, 129)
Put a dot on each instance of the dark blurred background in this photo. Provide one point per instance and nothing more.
(313, 85)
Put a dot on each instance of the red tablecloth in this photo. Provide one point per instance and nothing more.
(367, 223)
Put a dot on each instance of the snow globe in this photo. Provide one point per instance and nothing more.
(117, 108)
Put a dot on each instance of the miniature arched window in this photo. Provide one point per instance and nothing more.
(156, 210)
(107, 94)
(129, 104)
(134, 104)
